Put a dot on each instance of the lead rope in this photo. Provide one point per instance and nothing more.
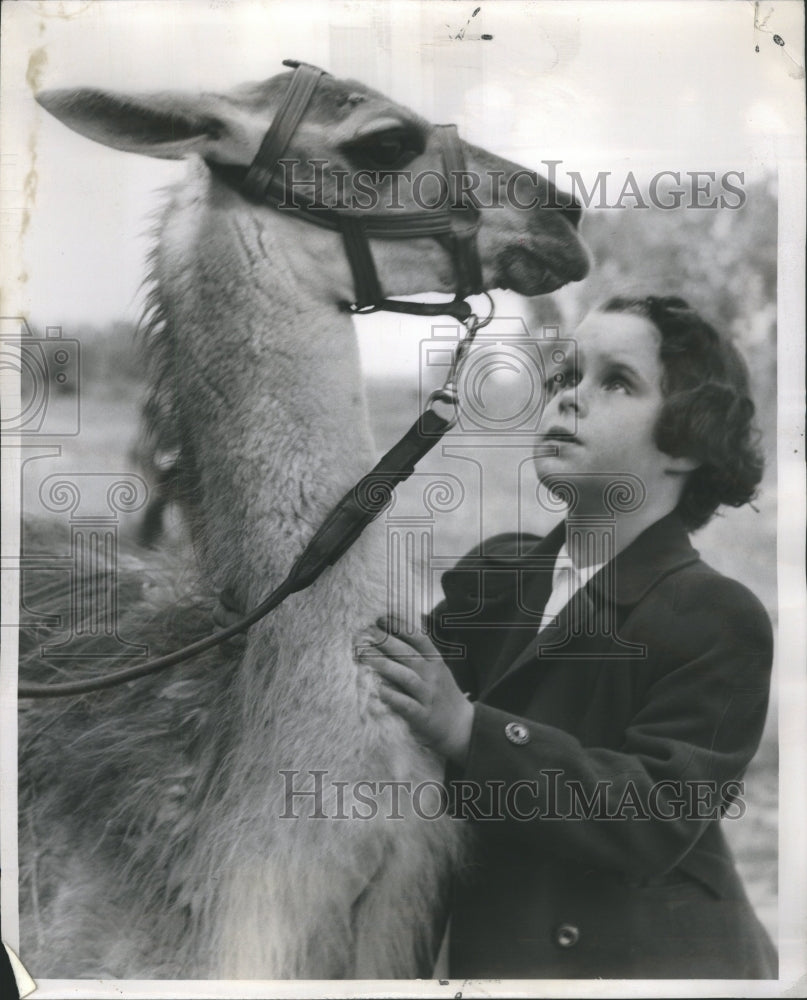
(358, 507)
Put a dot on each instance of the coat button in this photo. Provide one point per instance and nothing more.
(517, 733)
(567, 935)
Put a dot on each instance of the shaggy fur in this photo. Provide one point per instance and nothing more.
(133, 804)
(152, 838)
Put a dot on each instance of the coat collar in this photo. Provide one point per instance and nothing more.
(659, 550)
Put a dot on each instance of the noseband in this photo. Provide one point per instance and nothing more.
(457, 222)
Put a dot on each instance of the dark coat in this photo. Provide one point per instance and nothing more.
(662, 701)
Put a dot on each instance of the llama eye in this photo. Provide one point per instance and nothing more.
(391, 149)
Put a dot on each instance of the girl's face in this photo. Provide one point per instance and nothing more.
(601, 410)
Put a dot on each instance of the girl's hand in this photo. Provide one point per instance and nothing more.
(417, 684)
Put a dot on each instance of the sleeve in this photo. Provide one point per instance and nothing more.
(699, 721)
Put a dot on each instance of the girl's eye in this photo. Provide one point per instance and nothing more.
(561, 380)
(617, 384)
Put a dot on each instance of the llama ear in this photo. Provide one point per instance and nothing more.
(168, 125)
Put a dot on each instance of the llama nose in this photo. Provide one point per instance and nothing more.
(568, 206)
(565, 203)
(573, 213)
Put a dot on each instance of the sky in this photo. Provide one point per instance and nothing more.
(623, 86)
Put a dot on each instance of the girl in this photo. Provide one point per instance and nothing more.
(598, 694)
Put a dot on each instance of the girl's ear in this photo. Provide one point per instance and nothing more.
(168, 124)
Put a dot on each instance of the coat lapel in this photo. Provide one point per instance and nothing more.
(518, 644)
(661, 549)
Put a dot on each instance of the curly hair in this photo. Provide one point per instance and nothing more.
(708, 413)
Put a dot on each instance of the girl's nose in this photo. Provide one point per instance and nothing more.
(569, 399)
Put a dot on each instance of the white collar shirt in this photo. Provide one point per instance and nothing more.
(567, 579)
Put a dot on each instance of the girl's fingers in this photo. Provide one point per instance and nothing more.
(400, 650)
(400, 675)
(417, 657)
(400, 703)
(419, 641)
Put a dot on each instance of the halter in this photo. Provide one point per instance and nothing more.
(457, 222)
(374, 491)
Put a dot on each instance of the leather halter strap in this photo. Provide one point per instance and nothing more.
(463, 215)
(279, 134)
(456, 222)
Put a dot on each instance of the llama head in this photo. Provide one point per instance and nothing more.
(354, 150)
(253, 375)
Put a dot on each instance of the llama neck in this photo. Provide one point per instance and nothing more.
(271, 408)
(272, 414)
